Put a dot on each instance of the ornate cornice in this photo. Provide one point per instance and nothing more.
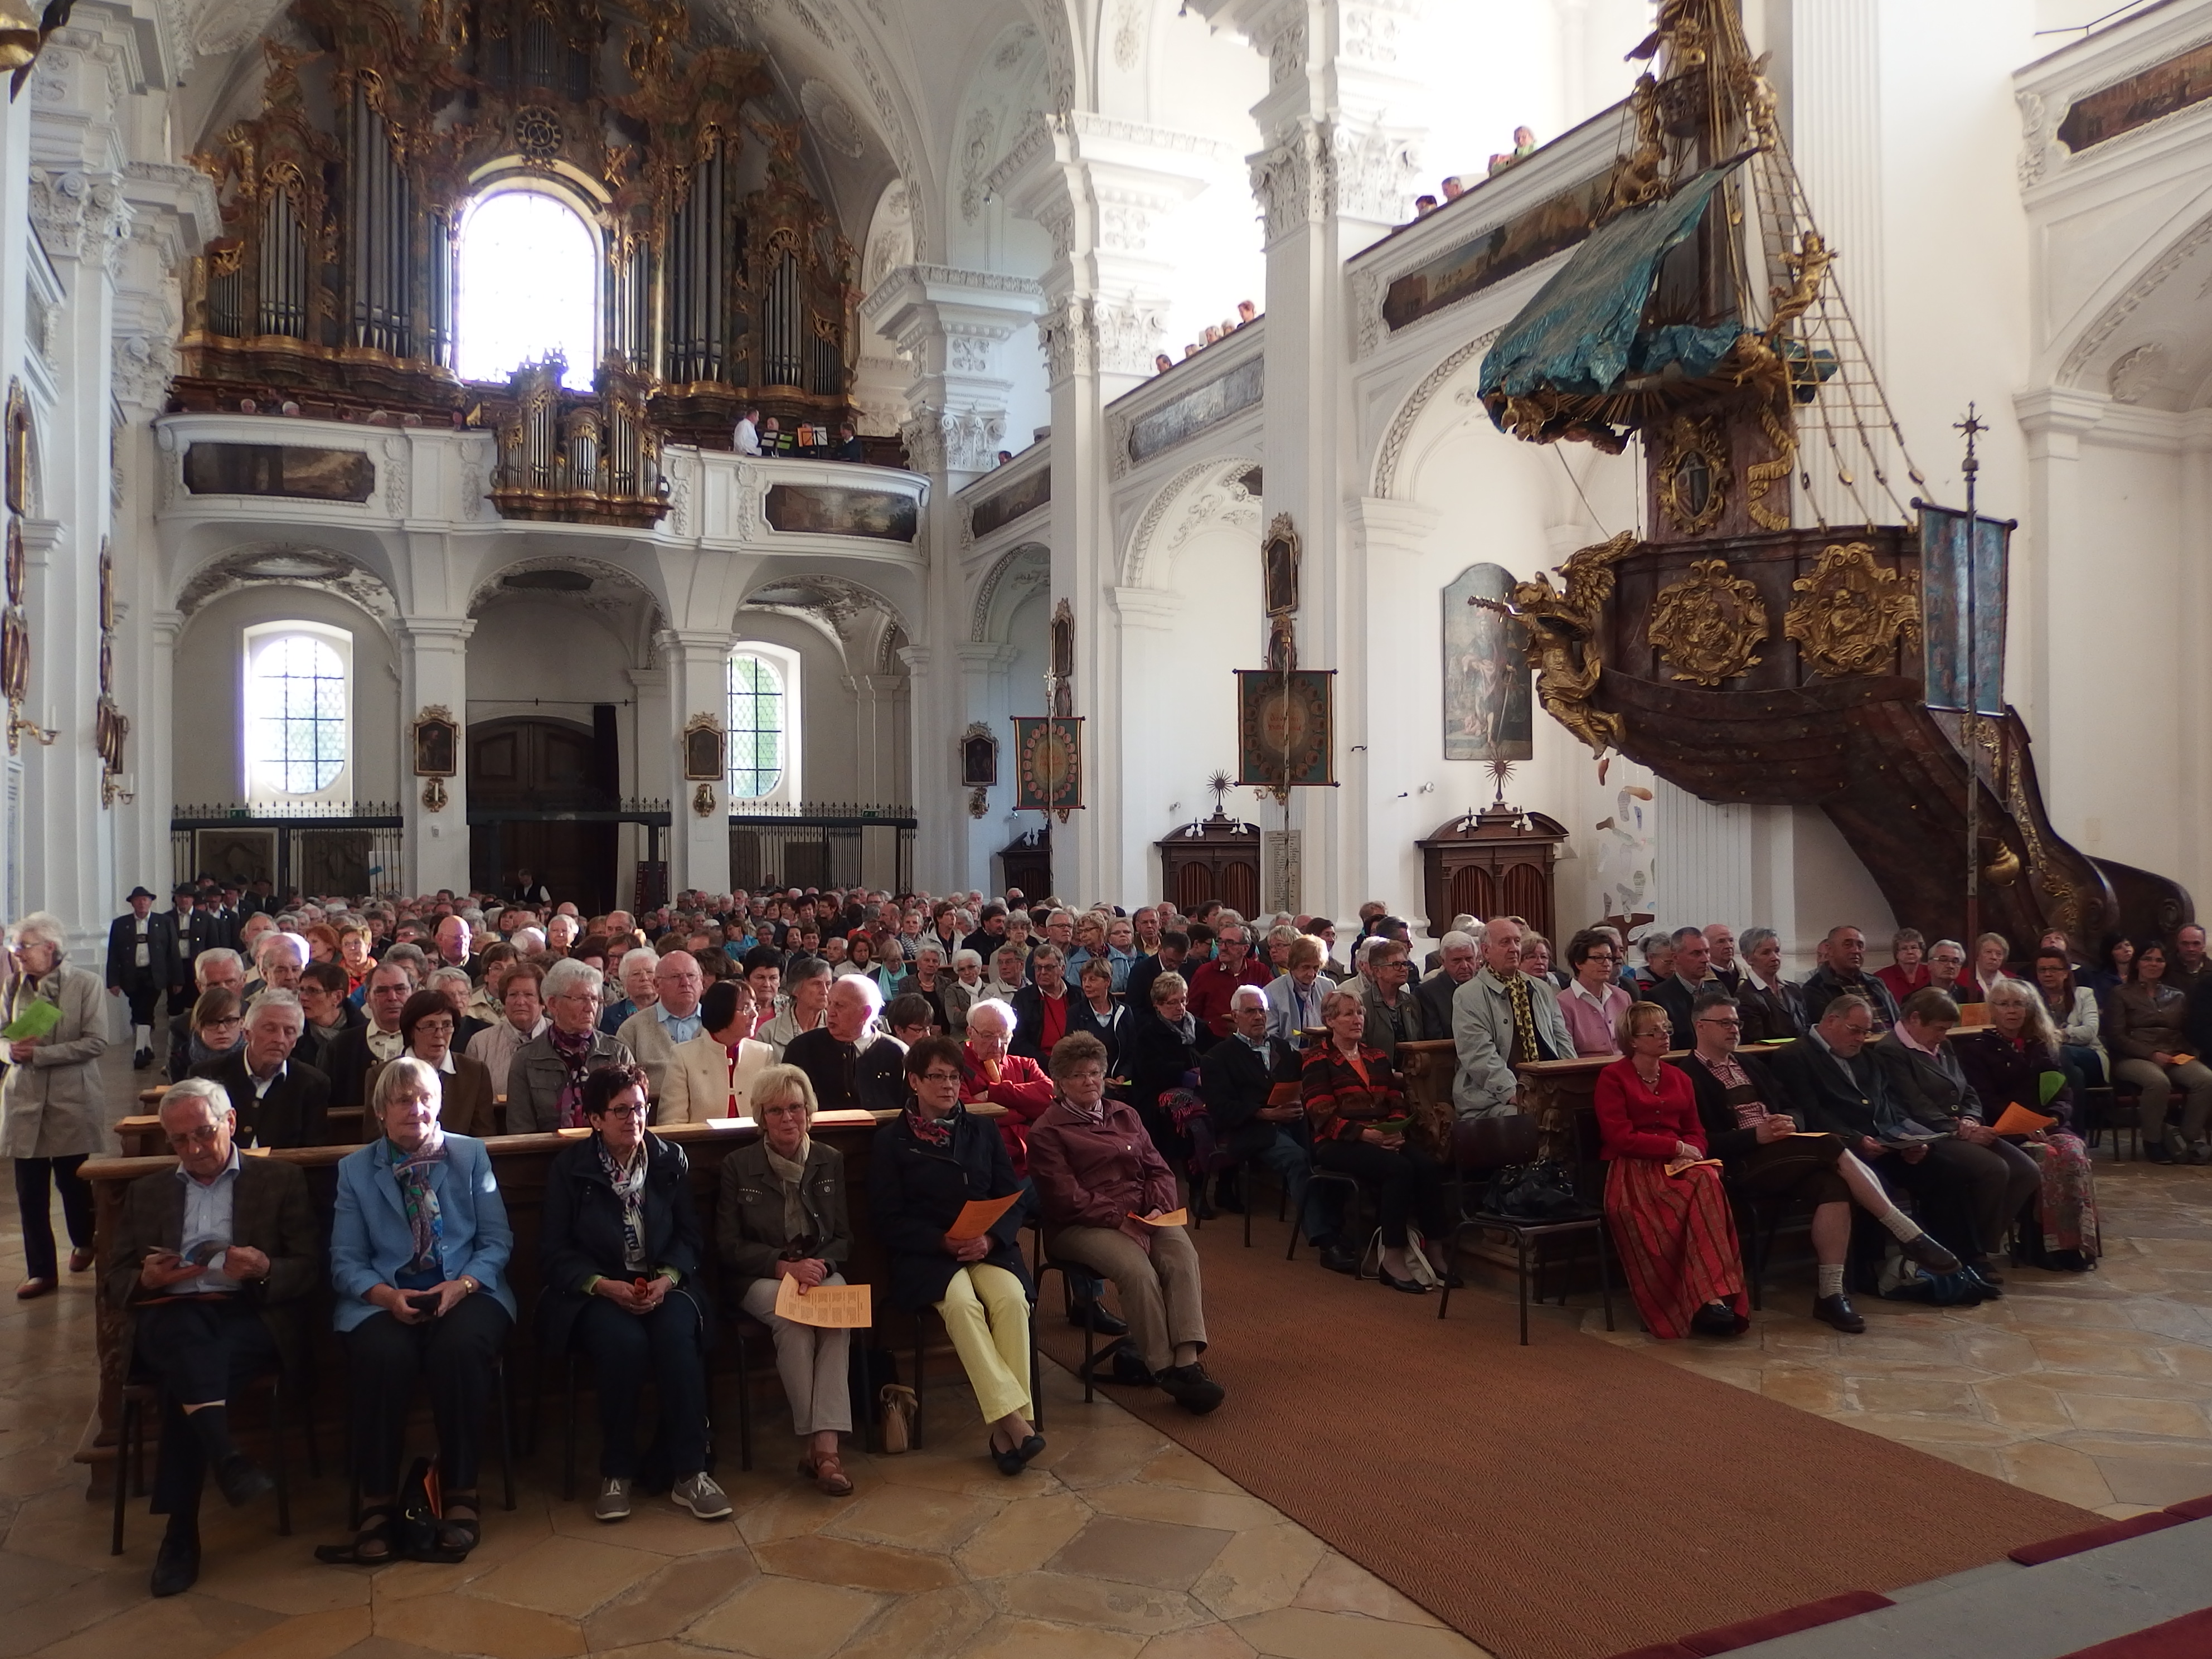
(80, 216)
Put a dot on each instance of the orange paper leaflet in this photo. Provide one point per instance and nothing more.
(1676, 1165)
(1172, 1218)
(2017, 1120)
(828, 1307)
(978, 1215)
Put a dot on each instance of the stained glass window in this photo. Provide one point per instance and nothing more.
(296, 716)
(756, 725)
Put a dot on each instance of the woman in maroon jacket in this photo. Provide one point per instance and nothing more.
(1355, 1106)
(1669, 1215)
(1096, 1173)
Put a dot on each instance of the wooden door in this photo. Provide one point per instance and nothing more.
(544, 768)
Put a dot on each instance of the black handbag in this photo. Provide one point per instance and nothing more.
(1536, 1192)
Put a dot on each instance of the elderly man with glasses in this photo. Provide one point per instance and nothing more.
(210, 1264)
(655, 1032)
(277, 1101)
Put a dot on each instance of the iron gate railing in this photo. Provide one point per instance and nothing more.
(348, 847)
(816, 844)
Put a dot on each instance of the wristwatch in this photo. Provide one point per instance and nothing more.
(469, 1284)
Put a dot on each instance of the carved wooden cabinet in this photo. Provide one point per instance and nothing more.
(1497, 862)
(1218, 858)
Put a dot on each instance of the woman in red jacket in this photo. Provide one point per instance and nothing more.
(1669, 1215)
(1096, 1173)
(1355, 1105)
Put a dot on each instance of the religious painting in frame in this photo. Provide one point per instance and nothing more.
(19, 448)
(244, 856)
(1279, 566)
(704, 760)
(1284, 728)
(1488, 712)
(1947, 571)
(979, 758)
(437, 740)
(1048, 762)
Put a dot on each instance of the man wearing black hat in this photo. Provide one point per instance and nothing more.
(194, 930)
(140, 946)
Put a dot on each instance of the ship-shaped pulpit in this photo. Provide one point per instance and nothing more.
(1799, 626)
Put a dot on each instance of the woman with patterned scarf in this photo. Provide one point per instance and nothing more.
(620, 1251)
(419, 1245)
(545, 1078)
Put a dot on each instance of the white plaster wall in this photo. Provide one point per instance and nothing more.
(568, 658)
(205, 712)
(1181, 715)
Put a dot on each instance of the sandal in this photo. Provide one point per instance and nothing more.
(460, 1534)
(831, 1479)
(371, 1545)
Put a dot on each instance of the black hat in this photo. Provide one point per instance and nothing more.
(184, 890)
(136, 894)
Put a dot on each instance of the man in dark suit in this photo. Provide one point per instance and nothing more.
(277, 1101)
(1831, 1082)
(191, 931)
(1692, 978)
(351, 1056)
(210, 1263)
(1458, 960)
(1168, 959)
(139, 946)
(260, 901)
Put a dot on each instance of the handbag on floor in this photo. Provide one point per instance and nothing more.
(1534, 1192)
(414, 1534)
(898, 1405)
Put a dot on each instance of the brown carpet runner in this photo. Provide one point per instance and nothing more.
(1565, 1500)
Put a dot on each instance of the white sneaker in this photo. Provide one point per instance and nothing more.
(699, 1495)
(614, 1500)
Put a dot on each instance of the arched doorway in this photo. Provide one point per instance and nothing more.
(525, 773)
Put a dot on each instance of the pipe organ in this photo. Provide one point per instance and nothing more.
(724, 280)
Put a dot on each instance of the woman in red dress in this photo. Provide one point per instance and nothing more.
(1669, 1215)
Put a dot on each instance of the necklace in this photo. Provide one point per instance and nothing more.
(1649, 1080)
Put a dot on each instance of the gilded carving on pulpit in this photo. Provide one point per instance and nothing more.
(1852, 612)
(1709, 626)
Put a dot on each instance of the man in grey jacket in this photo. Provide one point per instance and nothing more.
(1501, 1019)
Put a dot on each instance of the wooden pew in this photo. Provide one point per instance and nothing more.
(521, 1163)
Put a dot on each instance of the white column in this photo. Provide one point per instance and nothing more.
(434, 674)
(153, 742)
(698, 660)
(955, 329)
(879, 712)
(1332, 178)
(1099, 187)
(1146, 616)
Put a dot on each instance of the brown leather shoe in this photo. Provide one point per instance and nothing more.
(79, 1260)
(31, 1289)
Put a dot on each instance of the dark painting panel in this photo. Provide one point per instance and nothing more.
(2148, 96)
(1487, 714)
(881, 515)
(997, 510)
(1952, 626)
(1207, 403)
(288, 469)
(1554, 224)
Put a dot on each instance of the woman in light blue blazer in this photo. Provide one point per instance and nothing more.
(1294, 996)
(419, 1243)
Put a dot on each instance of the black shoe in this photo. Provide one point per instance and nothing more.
(1411, 1287)
(1129, 1369)
(1028, 1450)
(1837, 1310)
(177, 1567)
(1340, 1258)
(1715, 1319)
(142, 1060)
(2156, 1153)
(1986, 1279)
(1009, 1462)
(1190, 1387)
(1094, 1314)
(1929, 1254)
(242, 1479)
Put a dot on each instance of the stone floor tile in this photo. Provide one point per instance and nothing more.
(566, 1576)
(785, 1619)
(308, 1636)
(1103, 1455)
(1028, 1639)
(178, 1627)
(670, 1599)
(465, 1625)
(1982, 1459)
(1206, 1642)
(26, 1578)
(2098, 1355)
(1803, 1387)
(965, 1471)
(282, 1576)
(1874, 1394)
(1958, 1430)
(1176, 1466)
(505, 1537)
(1150, 1553)
(2173, 1420)
(1231, 1511)
(2022, 1404)
(2154, 1482)
(656, 1525)
(793, 1513)
(1340, 1584)
(36, 1626)
(2056, 1472)
(936, 1622)
(1091, 1603)
(1305, 1633)
(1264, 1568)
(861, 1567)
(915, 1517)
(1022, 1536)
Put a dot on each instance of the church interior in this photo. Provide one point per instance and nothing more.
(973, 658)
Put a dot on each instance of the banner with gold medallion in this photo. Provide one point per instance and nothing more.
(1047, 764)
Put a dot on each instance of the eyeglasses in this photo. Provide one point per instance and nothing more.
(202, 1134)
(625, 1111)
(939, 1074)
(1708, 1019)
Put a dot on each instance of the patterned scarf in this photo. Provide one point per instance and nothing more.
(629, 1183)
(574, 1052)
(1525, 1045)
(426, 1227)
(791, 1172)
(928, 1132)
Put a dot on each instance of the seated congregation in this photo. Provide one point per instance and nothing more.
(1100, 1082)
